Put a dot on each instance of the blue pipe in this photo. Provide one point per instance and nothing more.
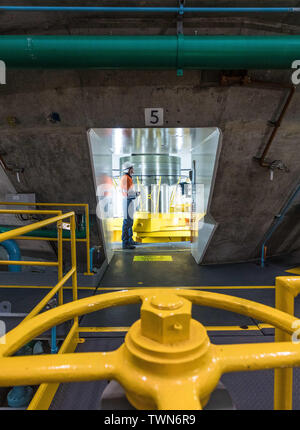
(279, 220)
(151, 9)
(14, 254)
(91, 259)
(53, 341)
(54, 348)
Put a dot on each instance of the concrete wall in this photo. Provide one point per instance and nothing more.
(57, 165)
(285, 238)
(56, 157)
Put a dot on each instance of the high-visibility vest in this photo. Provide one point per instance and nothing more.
(126, 185)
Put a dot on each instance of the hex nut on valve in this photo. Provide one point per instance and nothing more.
(165, 318)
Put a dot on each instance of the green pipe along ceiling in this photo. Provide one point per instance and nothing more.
(150, 52)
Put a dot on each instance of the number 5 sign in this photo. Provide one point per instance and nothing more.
(154, 117)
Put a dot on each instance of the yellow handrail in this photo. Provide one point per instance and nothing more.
(87, 225)
(12, 234)
(30, 227)
(286, 291)
(58, 287)
(45, 393)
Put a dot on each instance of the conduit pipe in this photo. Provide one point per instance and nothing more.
(262, 159)
(14, 253)
(150, 52)
(134, 9)
(279, 219)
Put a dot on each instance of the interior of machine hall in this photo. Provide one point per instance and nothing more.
(201, 313)
(174, 171)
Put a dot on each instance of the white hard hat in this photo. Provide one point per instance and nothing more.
(127, 165)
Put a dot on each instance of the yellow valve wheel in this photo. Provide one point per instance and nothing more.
(167, 360)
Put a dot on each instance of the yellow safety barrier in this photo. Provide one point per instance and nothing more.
(286, 290)
(87, 225)
(167, 360)
(45, 393)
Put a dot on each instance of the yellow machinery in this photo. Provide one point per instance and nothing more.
(162, 227)
(159, 228)
(154, 226)
(167, 360)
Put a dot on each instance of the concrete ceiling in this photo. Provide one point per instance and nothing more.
(151, 140)
(154, 23)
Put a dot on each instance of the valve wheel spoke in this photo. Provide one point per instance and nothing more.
(257, 356)
(34, 370)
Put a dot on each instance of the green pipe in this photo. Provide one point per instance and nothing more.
(149, 52)
(50, 233)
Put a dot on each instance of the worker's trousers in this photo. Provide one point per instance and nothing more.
(128, 214)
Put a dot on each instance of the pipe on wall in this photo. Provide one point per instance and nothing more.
(150, 52)
(262, 159)
(14, 253)
(279, 219)
(134, 9)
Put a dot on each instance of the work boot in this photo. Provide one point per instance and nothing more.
(134, 243)
(129, 246)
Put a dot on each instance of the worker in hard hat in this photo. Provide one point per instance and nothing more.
(129, 195)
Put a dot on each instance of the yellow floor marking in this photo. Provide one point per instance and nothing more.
(295, 270)
(265, 326)
(153, 258)
(43, 287)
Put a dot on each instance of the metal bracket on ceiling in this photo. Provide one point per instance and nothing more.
(180, 37)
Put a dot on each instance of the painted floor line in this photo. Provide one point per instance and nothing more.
(152, 258)
(295, 270)
(43, 287)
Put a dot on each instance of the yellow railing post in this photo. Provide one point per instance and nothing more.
(286, 290)
(60, 260)
(87, 234)
(73, 259)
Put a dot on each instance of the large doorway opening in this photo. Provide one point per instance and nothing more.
(174, 170)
